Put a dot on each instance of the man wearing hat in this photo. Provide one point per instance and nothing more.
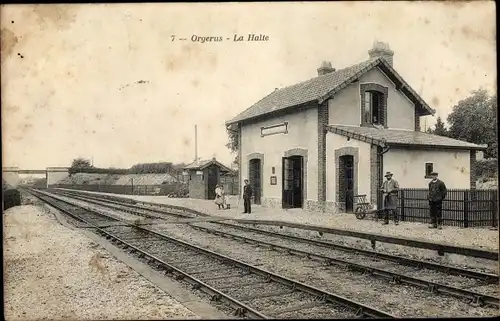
(437, 193)
(390, 189)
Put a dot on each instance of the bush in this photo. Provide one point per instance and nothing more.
(97, 170)
(485, 168)
(11, 198)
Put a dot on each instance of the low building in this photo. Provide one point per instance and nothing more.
(318, 143)
(203, 176)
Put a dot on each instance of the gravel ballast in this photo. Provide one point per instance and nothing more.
(399, 300)
(365, 289)
(426, 274)
(52, 272)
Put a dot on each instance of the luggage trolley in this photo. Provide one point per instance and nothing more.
(363, 208)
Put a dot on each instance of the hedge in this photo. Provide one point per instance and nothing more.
(11, 198)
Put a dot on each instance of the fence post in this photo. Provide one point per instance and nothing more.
(402, 205)
(466, 209)
(494, 208)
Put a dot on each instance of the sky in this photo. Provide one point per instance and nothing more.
(106, 81)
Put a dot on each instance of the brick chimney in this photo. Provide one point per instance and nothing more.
(325, 68)
(381, 50)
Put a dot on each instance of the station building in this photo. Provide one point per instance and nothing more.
(316, 144)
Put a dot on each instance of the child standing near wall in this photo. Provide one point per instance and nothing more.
(219, 196)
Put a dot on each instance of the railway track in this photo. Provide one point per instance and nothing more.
(487, 278)
(283, 243)
(251, 292)
(362, 265)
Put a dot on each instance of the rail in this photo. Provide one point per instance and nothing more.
(373, 238)
(400, 260)
(360, 309)
(476, 298)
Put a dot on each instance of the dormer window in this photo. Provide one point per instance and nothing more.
(373, 105)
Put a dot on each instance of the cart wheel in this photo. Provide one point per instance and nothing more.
(359, 213)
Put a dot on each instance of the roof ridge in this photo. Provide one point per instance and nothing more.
(328, 74)
(301, 83)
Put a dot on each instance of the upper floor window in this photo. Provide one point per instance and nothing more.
(373, 106)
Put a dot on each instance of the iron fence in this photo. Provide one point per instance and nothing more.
(461, 207)
(230, 184)
(176, 190)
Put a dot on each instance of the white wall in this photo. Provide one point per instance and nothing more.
(302, 133)
(335, 141)
(345, 107)
(408, 167)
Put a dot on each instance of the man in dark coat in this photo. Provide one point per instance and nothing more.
(247, 195)
(390, 188)
(437, 193)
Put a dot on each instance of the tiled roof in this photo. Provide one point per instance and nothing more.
(384, 137)
(319, 89)
(201, 164)
(300, 93)
(198, 164)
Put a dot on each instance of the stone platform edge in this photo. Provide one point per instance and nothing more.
(415, 243)
(441, 248)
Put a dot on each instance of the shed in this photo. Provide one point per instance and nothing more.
(203, 176)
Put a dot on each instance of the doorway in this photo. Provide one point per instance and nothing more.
(212, 181)
(293, 182)
(346, 182)
(255, 180)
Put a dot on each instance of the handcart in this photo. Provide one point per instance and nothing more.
(364, 208)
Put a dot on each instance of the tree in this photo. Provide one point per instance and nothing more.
(439, 128)
(79, 164)
(474, 120)
(233, 143)
(144, 168)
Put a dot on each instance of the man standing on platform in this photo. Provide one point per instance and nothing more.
(437, 193)
(390, 188)
(247, 195)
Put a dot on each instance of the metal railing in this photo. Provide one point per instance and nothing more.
(461, 207)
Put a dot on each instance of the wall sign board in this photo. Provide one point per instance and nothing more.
(274, 129)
